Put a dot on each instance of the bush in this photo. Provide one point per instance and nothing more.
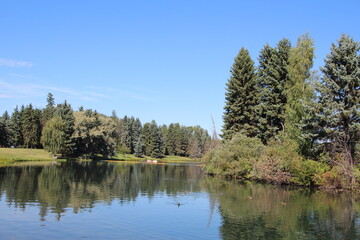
(282, 164)
(341, 176)
(277, 161)
(308, 173)
(235, 158)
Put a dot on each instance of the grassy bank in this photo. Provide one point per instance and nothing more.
(23, 154)
(11, 155)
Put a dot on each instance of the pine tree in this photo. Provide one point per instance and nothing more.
(65, 112)
(5, 130)
(3, 133)
(16, 137)
(31, 127)
(49, 111)
(272, 77)
(152, 140)
(338, 108)
(240, 97)
(139, 148)
(173, 139)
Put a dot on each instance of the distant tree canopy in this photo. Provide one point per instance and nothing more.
(87, 133)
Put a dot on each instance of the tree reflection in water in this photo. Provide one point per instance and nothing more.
(274, 212)
(80, 185)
(248, 211)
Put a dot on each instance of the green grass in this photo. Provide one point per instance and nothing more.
(10, 155)
(24, 154)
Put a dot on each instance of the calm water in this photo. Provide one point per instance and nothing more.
(145, 201)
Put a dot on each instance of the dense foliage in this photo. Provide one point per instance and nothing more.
(87, 133)
(309, 128)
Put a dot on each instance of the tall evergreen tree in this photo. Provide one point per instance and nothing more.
(49, 110)
(65, 112)
(240, 97)
(17, 136)
(5, 130)
(172, 138)
(152, 139)
(139, 148)
(338, 108)
(31, 127)
(3, 133)
(131, 133)
(272, 77)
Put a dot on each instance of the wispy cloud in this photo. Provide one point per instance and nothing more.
(14, 63)
(28, 77)
(20, 90)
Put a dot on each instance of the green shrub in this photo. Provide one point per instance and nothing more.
(121, 149)
(277, 161)
(341, 176)
(235, 158)
(308, 173)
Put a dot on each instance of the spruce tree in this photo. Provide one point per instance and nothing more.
(17, 136)
(152, 139)
(31, 127)
(173, 139)
(338, 108)
(272, 77)
(240, 97)
(3, 133)
(65, 112)
(48, 112)
(139, 148)
(5, 130)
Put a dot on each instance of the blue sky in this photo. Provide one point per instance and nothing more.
(162, 60)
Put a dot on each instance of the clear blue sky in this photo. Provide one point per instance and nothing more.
(162, 60)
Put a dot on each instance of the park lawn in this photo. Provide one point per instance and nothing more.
(24, 154)
(11, 155)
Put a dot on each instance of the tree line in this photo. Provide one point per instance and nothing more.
(285, 123)
(86, 133)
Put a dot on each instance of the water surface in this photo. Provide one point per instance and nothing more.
(99, 200)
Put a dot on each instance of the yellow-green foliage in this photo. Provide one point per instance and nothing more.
(18, 154)
(278, 163)
(53, 135)
(235, 158)
(341, 175)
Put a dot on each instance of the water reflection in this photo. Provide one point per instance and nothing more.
(254, 211)
(81, 185)
(201, 207)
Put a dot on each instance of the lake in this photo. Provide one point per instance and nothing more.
(102, 200)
